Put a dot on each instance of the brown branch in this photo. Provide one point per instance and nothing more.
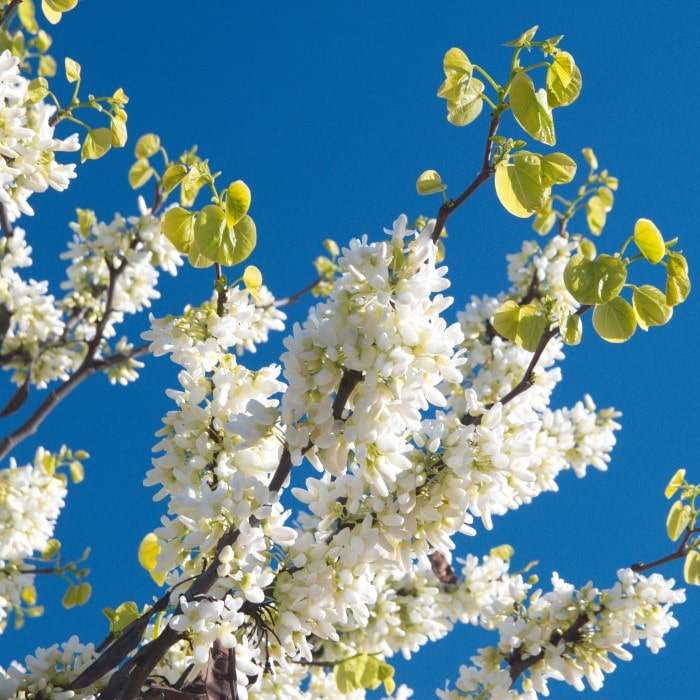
(449, 207)
(293, 298)
(680, 552)
(4, 16)
(528, 378)
(87, 369)
(5, 225)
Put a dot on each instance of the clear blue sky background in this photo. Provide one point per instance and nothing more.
(328, 111)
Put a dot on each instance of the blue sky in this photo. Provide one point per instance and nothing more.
(328, 112)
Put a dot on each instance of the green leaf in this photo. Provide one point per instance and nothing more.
(504, 551)
(677, 280)
(76, 595)
(72, 70)
(650, 305)
(47, 66)
(237, 202)
(429, 182)
(676, 482)
(677, 520)
(524, 39)
(173, 176)
(96, 144)
(531, 110)
(523, 325)
(246, 238)
(118, 129)
(544, 220)
(649, 240)
(519, 184)
(458, 73)
(177, 225)
(193, 181)
(252, 279)
(147, 145)
(77, 472)
(37, 89)
(594, 281)
(148, 552)
(208, 241)
(615, 321)
(467, 103)
(596, 214)
(605, 193)
(590, 158)
(587, 247)
(122, 617)
(571, 329)
(140, 173)
(563, 81)
(557, 169)
(53, 546)
(53, 9)
(26, 15)
(691, 568)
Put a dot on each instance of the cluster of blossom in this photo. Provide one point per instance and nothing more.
(113, 271)
(570, 635)
(27, 143)
(31, 498)
(45, 673)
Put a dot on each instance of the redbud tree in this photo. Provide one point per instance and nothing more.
(311, 507)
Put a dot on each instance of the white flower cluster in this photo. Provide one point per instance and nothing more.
(27, 143)
(45, 673)
(31, 498)
(569, 635)
(112, 267)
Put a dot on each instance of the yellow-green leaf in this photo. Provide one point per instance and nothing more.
(458, 73)
(519, 184)
(649, 240)
(504, 551)
(676, 482)
(52, 548)
(147, 145)
(54, 9)
(122, 617)
(615, 321)
(96, 144)
(560, 94)
(531, 110)
(557, 169)
(149, 549)
(596, 214)
(595, 281)
(429, 182)
(27, 17)
(237, 202)
(691, 568)
(467, 103)
(524, 39)
(140, 173)
(47, 66)
(523, 325)
(252, 279)
(587, 248)
(178, 227)
(677, 520)
(77, 472)
(118, 129)
(563, 68)
(677, 280)
(544, 220)
(571, 329)
(650, 305)
(72, 70)
(208, 242)
(37, 89)
(246, 238)
(173, 176)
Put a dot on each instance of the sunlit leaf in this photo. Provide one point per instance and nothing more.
(596, 214)
(467, 103)
(140, 173)
(557, 169)
(615, 321)
(676, 482)
(531, 110)
(72, 70)
(429, 182)
(571, 329)
(246, 238)
(118, 129)
(122, 617)
(594, 281)
(522, 324)
(208, 240)
(96, 144)
(650, 305)
(563, 92)
(649, 240)
(149, 549)
(26, 15)
(252, 279)
(178, 227)
(173, 176)
(147, 145)
(677, 520)
(504, 551)
(691, 568)
(563, 68)
(519, 184)
(677, 280)
(237, 202)
(524, 39)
